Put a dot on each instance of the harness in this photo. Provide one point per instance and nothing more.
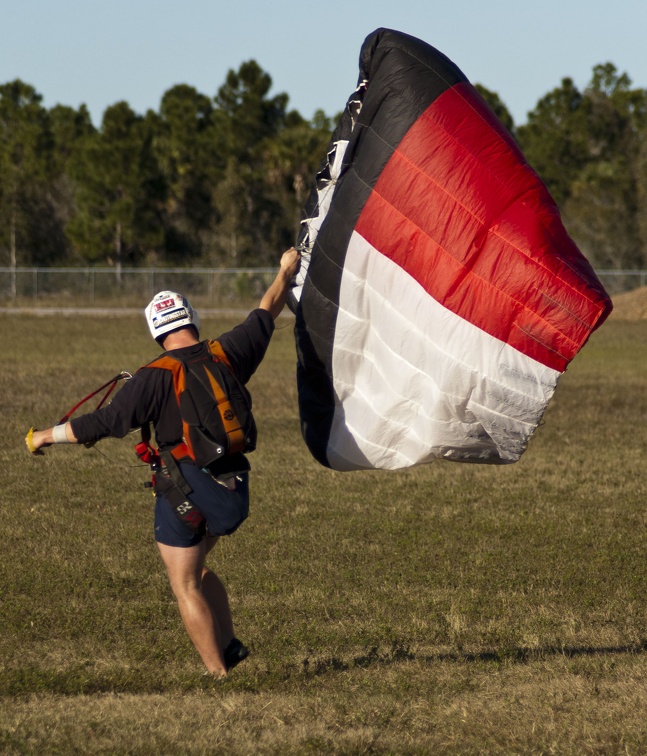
(236, 440)
(167, 477)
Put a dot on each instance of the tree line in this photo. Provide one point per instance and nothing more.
(220, 181)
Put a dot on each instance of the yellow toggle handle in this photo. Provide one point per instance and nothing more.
(29, 440)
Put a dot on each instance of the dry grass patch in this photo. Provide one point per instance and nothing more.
(447, 609)
(437, 704)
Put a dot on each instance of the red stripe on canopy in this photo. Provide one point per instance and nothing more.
(468, 219)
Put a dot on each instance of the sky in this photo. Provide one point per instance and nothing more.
(99, 52)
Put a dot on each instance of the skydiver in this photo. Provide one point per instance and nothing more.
(149, 397)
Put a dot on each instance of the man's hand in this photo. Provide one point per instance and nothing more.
(34, 441)
(290, 260)
(37, 440)
(274, 298)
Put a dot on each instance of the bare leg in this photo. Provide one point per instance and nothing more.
(185, 568)
(216, 595)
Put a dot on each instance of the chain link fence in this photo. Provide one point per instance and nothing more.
(208, 288)
(93, 287)
(619, 281)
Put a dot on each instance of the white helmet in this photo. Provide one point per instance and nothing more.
(169, 311)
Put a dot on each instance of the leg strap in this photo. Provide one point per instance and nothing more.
(171, 483)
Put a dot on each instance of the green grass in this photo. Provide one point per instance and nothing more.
(446, 609)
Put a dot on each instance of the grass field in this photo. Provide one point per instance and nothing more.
(447, 609)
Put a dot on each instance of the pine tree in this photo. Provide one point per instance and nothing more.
(25, 149)
(119, 191)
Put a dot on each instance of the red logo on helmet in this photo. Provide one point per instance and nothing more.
(164, 304)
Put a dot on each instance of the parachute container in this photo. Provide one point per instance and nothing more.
(440, 297)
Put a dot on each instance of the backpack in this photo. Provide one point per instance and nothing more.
(215, 406)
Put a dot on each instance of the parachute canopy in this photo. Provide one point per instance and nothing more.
(439, 297)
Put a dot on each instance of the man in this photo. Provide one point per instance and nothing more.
(221, 500)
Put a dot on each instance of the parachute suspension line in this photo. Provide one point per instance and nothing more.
(112, 461)
(109, 385)
(324, 187)
(290, 322)
(325, 184)
(327, 178)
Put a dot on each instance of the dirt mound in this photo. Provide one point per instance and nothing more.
(632, 305)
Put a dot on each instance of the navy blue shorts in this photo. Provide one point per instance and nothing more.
(224, 509)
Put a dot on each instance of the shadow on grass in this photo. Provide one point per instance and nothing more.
(400, 653)
(82, 680)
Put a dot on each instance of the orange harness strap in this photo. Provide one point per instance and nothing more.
(230, 421)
